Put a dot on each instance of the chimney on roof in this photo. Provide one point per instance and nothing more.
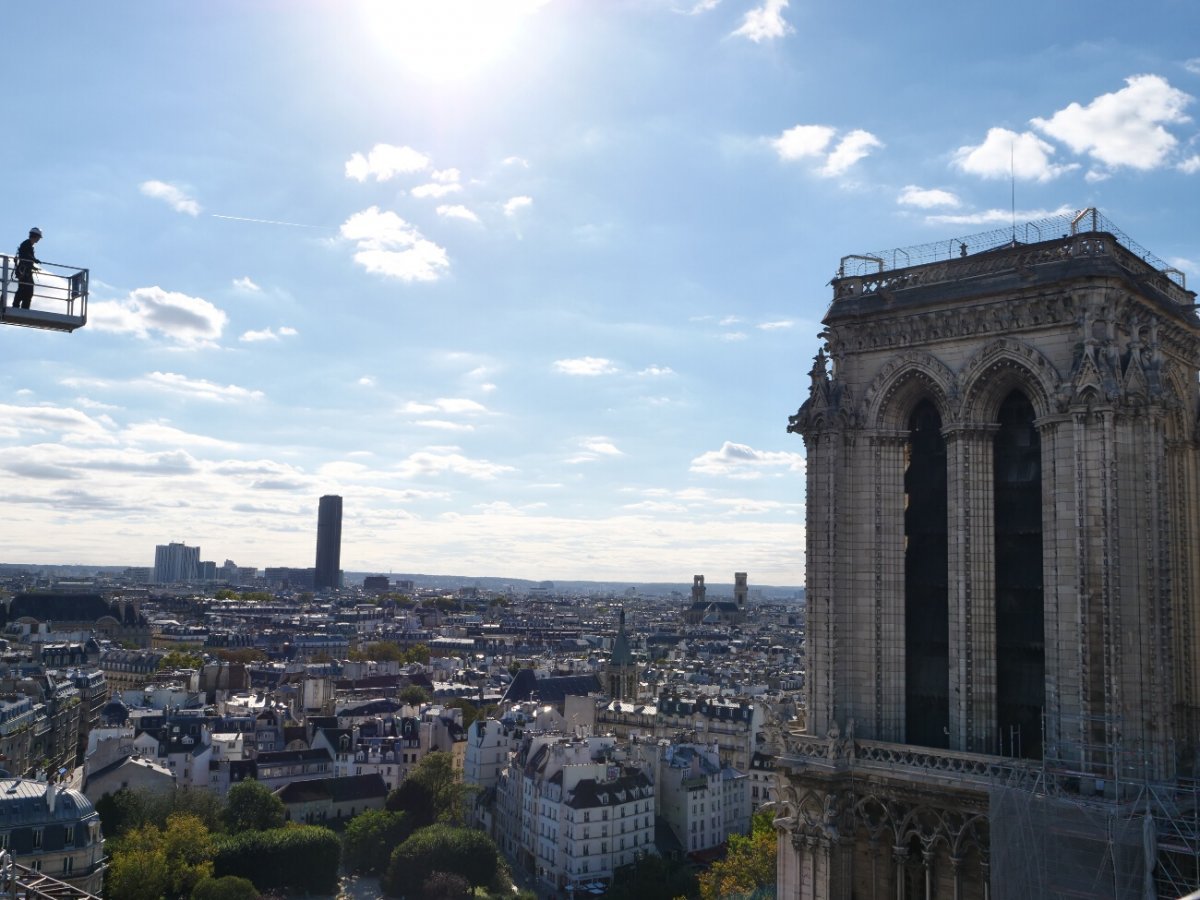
(51, 795)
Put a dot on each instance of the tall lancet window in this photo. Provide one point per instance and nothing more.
(926, 614)
(1020, 622)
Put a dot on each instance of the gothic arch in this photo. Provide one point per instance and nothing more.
(902, 383)
(999, 368)
(1178, 401)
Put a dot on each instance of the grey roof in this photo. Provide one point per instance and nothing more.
(23, 802)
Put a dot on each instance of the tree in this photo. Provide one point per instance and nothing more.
(371, 836)
(250, 806)
(748, 865)
(417, 653)
(380, 651)
(190, 850)
(296, 858)
(470, 712)
(653, 878)
(445, 886)
(228, 888)
(138, 869)
(122, 812)
(441, 848)
(243, 655)
(414, 695)
(432, 792)
(183, 658)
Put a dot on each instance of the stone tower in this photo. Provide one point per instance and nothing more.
(1003, 572)
(621, 674)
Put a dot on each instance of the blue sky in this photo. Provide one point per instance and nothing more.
(533, 285)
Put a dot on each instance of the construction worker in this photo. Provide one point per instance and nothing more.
(26, 261)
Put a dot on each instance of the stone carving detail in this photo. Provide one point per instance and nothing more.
(935, 375)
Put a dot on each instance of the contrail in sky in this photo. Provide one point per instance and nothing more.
(265, 221)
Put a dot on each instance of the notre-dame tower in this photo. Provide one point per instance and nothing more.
(1003, 576)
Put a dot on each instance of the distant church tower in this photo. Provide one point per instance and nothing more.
(1003, 576)
(620, 675)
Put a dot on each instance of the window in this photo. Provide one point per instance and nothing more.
(1020, 616)
(69, 835)
(926, 593)
(37, 839)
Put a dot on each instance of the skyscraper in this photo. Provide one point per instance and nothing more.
(329, 543)
(1002, 557)
(174, 563)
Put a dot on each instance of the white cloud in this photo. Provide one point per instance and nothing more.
(451, 405)
(446, 176)
(729, 320)
(448, 460)
(1004, 153)
(997, 216)
(927, 198)
(390, 246)
(802, 141)
(68, 425)
(601, 445)
(1193, 65)
(245, 284)
(444, 425)
(385, 161)
(198, 388)
(775, 326)
(732, 336)
(702, 6)
(812, 142)
(161, 433)
(585, 365)
(856, 145)
(515, 204)
(741, 461)
(146, 311)
(516, 161)
(367, 381)
(1191, 165)
(765, 22)
(435, 190)
(173, 196)
(656, 371)
(456, 211)
(267, 334)
(1123, 128)
(592, 449)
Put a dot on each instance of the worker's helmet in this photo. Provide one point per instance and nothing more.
(35, 232)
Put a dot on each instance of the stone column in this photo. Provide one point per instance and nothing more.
(900, 855)
(972, 586)
(886, 643)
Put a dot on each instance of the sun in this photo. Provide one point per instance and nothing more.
(447, 40)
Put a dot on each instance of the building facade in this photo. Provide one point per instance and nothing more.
(1003, 576)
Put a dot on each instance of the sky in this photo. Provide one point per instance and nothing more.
(533, 284)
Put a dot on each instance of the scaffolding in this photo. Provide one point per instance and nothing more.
(1049, 228)
(1091, 821)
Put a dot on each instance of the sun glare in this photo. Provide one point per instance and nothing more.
(447, 40)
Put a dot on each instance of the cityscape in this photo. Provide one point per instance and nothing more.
(478, 449)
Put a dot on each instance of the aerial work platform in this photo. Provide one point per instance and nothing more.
(59, 296)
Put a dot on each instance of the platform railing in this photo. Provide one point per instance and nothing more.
(58, 289)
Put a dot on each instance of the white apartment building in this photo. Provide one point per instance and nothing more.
(702, 800)
(569, 813)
